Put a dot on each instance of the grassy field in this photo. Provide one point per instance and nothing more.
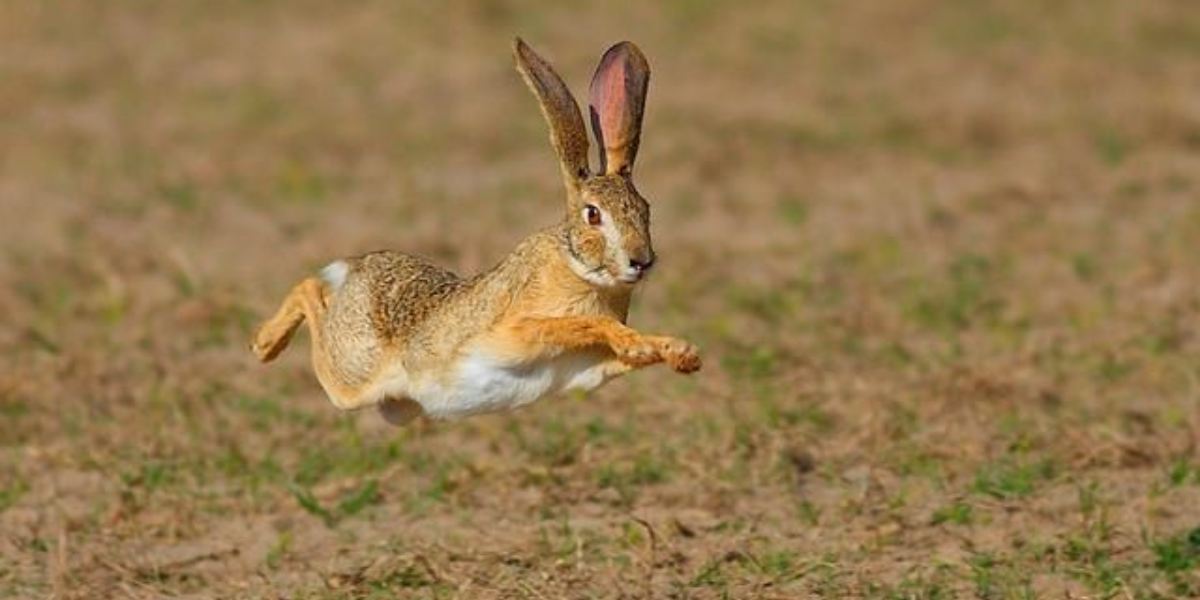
(943, 260)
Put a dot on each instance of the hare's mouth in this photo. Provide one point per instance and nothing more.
(632, 277)
(637, 269)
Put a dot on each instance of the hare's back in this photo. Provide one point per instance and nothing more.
(389, 292)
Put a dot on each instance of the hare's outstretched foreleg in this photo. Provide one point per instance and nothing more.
(632, 347)
(306, 301)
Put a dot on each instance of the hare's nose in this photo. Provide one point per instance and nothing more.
(641, 265)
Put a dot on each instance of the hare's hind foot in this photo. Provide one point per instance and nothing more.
(399, 411)
(305, 301)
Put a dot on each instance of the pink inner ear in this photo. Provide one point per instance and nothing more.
(609, 94)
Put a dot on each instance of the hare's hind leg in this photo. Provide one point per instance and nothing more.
(305, 301)
(399, 411)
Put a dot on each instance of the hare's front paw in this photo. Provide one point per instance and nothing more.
(680, 355)
(638, 352)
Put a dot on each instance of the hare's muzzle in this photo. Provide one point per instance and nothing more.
(639, 266)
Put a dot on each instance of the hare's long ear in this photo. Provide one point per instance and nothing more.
(617, 99)
(567, 132)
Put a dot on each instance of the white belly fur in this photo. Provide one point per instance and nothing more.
(481, 383)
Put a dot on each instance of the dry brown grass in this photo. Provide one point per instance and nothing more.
(942, 258)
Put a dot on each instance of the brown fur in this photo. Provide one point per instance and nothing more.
(567, 134)
(397, 313)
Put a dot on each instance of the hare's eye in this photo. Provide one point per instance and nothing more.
(592, 214)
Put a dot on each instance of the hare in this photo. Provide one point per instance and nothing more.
(395, 332)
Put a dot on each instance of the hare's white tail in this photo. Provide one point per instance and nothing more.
(334, 274)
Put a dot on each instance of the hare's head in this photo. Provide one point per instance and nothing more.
(607, 227)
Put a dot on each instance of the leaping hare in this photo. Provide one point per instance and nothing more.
(395, 332)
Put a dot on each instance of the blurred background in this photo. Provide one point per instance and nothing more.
(941, 258)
